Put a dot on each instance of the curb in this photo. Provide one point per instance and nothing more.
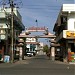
(66, 63)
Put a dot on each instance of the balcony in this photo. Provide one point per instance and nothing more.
(3, 34)
(66, 34)
(59, 37)
(2, 15)
(5, 16)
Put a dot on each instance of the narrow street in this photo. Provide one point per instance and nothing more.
(38, 65)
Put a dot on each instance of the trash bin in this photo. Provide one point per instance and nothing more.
(6, 58)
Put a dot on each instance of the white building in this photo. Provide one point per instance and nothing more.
(32, 44)
(65, 31)
(6, 30)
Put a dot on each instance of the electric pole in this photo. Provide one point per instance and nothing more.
(12, 31)
(36, 25)
(12, 5)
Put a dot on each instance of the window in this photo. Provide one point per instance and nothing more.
(63, 19)
(2, 31)
(74, 25)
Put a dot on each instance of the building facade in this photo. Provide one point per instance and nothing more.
(64, 29)
(32, 44)
(5, 30)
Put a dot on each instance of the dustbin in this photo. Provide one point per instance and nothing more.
(6, 58)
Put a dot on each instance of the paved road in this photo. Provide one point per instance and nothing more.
(39, 65)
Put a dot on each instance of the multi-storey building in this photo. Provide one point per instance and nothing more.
(65, 31)
(5, 30)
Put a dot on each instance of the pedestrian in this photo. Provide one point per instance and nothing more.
(48, 54)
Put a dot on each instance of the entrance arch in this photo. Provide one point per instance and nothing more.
(26, 34)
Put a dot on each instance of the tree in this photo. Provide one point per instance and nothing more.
(45, 48)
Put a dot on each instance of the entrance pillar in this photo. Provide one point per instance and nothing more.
(52, 53)
(20, 53)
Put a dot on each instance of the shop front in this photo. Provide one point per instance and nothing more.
(71, 51)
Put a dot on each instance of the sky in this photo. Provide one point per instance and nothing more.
(44, 11)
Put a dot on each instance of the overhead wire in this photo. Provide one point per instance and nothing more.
(42, 7)
(17, 3)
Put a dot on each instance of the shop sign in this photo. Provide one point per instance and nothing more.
(36, 28)
(70, 34)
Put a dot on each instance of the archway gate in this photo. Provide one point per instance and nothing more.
(28, 31)
(26, 34)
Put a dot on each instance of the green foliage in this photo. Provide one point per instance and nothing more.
(45, 48)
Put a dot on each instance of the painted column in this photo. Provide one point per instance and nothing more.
(20, 53)
(52, 53)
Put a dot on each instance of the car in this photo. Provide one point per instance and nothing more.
(29, 54)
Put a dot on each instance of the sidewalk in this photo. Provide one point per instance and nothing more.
(5, 65)
(72, 63)
(16, 62)
(60, 62)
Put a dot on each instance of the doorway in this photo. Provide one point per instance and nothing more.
(72, 47)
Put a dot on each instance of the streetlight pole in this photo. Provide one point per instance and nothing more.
(36, 24)
(12, 31)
